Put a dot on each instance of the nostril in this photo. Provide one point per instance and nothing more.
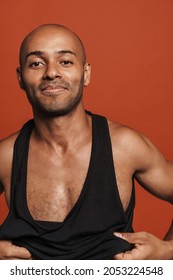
(51, 76)
(51, 72)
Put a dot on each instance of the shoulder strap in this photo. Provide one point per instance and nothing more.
(20, 148)
(102, 140)
(104, 164)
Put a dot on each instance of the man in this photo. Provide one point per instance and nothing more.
(68, 175)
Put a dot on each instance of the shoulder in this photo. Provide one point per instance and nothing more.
(125, 136)
(131, 145)
(7, 143)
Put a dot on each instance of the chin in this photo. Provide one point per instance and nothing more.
(49, 113)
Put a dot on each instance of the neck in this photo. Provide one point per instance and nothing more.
(63, 130)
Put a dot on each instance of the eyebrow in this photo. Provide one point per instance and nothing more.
(41, 53)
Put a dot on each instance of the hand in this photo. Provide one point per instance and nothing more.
(147, 247)
(8, 251)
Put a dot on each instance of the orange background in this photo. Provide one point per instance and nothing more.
(130, 47)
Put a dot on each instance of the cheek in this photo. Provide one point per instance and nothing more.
(31, 77)
(77, 80)
(77, 86)
(31, 85)
(74, 76)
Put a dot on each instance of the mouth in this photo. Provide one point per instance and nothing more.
(53, 89)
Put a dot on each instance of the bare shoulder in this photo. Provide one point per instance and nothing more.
(136, 155)
(6, 155)
(132, 146)
(7, 143)
(125, 136)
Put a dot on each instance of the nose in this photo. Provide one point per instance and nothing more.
(52, 72)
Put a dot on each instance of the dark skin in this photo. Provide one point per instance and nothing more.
(53, 72)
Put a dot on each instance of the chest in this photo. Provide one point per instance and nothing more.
(54, 185)
(54, 182)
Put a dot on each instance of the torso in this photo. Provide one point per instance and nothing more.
(49, 190)
(55, 180)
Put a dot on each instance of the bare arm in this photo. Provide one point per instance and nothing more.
(135, 155)
(155, 174)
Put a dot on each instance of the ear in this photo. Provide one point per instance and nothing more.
(87, 74)
(19, 77)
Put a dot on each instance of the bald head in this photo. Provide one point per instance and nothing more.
(47, 32)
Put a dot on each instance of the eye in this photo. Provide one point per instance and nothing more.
(66, 62)
(36, 64)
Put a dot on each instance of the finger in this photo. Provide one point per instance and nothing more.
(139, 237)
(127, 236)
(129, 255)
(20, 252)
(19, 259)
(124, 256)
(9, 251)
(118, 256)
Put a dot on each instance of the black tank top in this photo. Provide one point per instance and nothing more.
(87, 231)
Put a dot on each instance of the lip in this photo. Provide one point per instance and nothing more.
(53, 89)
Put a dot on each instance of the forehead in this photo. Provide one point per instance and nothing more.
(50, 40)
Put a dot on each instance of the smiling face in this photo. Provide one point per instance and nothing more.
(53, 70)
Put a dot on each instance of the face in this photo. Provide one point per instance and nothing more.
(53, 71)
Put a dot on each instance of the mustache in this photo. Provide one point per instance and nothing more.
(53, 84)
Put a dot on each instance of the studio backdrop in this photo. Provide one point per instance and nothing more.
(129, 44)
